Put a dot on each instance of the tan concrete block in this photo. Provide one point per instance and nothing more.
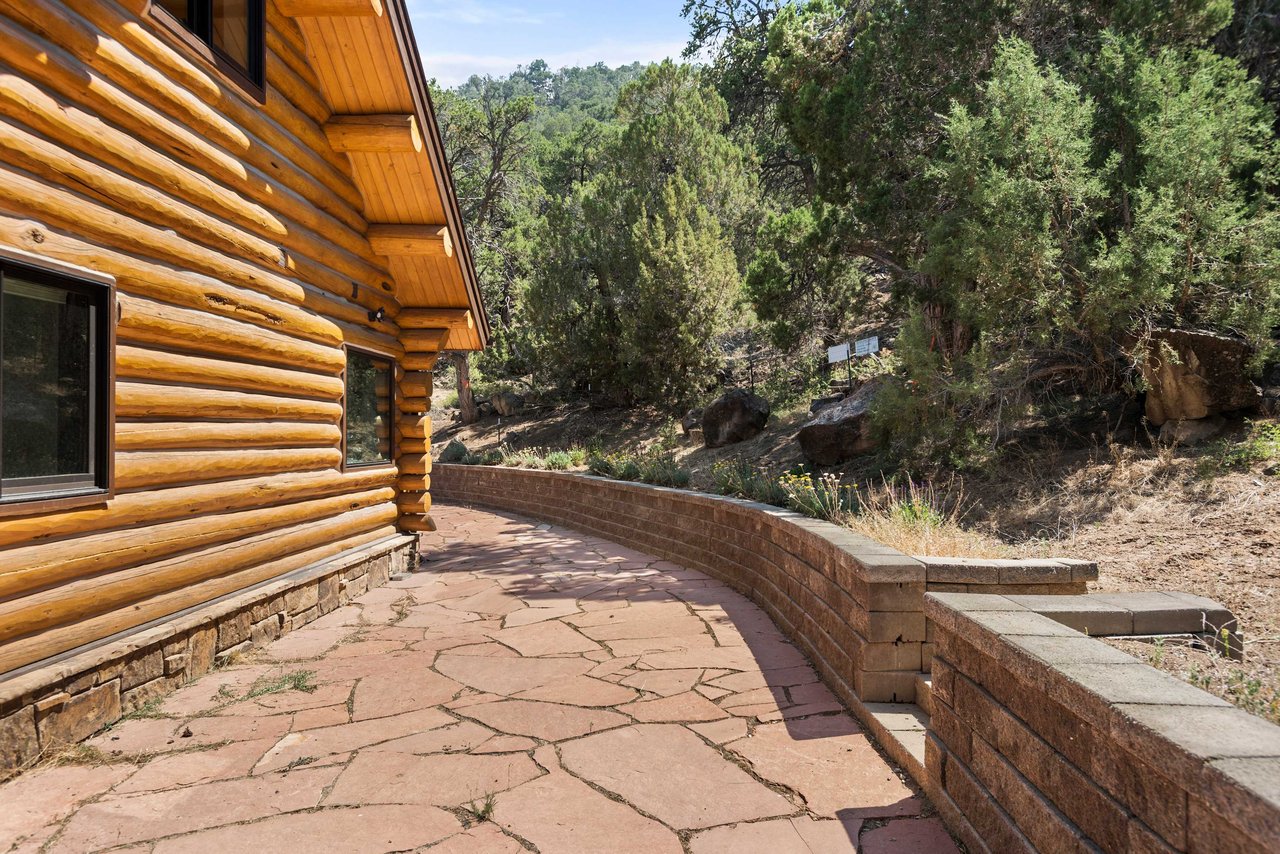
(1038, 819)
(885, 686)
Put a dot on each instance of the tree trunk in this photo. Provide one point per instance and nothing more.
(466, 400)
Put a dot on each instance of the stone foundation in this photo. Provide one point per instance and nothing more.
(53, 704)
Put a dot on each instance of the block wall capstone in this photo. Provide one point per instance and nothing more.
(1045, 739)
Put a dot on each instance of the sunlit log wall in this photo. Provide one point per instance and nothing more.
(237, 239)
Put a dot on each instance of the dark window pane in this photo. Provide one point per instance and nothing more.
(46, 380)
(231, 30)
(178, 8)
(368, 409)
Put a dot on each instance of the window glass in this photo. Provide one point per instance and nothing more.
(368, 409)
(178, 8)
(49, 373)
(231, 30)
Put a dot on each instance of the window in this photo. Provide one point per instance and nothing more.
(55, 353)
(232, 29)
(369, 407)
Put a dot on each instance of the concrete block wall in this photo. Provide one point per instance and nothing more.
(1045, 739)
(45, 707)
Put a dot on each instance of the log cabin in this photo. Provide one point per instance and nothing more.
(230, 254)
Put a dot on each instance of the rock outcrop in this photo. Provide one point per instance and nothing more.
(735, 416)
(840, 432)
(1194, 375)
(507, 403)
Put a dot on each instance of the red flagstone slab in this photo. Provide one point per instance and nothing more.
(547, 721)
(657, 767)
(509, 675)
(315, 743)
(448, 780)
(721, 732)
(664, 682)
(830, 762)
(560, 814)
(581, 691)
(201, 766)
(801, 835)
(119, 820)
(458, 737)
(681, 707)
(34, 801)
(390, 694)
(550, 638)
(482, 839)
(922, 835)
(357, 830)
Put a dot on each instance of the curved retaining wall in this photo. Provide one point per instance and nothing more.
(854, 606)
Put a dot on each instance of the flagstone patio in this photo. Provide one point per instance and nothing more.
(530, 689)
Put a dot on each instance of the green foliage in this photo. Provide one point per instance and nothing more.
(558, 461)
(1043, 182)
(823, 497)
(454, 452)
(640, 272)
(1260, 445)
(653, 467)
(740, 477)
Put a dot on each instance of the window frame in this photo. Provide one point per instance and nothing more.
(242, 78)
(393, 408)
(102, 289)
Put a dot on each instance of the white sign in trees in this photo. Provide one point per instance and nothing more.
(836, 355)
(868, 346)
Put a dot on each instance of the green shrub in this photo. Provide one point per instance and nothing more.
(454, 452)
(739, 477)
(577, 457)
(822, 498)
(558, 461)
(601, 464)
(663, 470)
(492, 457)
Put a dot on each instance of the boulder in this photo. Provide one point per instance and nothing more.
(735, 416)
(840, 432)
(822, 403)
(692, 421)
(507, 403)
(1205, 378)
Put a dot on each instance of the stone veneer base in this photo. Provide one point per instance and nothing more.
(62, 701)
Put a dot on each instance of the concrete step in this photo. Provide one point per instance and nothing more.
(924, 693)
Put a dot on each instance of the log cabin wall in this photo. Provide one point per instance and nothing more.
(239, 238)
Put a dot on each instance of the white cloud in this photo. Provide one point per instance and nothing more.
(450, 69)
(474, 12)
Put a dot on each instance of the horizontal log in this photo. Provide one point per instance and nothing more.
(424, 340)
(384, 134)
(144, 508)
(376, 340)
(413, 405)
(55, 164)
(414, 427)
(137, 470)
(417, 384)
(187, 172)
(329, 8)
(142, 400)
(413, 447)
(189, 436)
(33, 567)
(414, 483)
(293, 88)
(414, 503)
(419, 361)
(414, 465)
(26, 195)
(436, 318)
(417, 524)
(40, 646)
(181, 288)
(162, 366)
(147, 322)
(140, 61)
(432, 241)
(94, 596)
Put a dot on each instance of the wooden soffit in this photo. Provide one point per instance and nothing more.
(369, 71)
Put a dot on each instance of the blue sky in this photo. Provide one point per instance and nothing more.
(459, 38)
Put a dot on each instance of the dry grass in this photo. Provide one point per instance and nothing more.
(924, 520)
